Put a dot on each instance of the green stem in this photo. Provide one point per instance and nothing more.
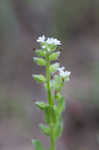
(53, 145)
(48, 81)
(50, 101)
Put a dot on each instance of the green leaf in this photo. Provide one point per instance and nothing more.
(56, 83)
(54, 56)
(41, 105)
(37, 145)
(58, 129)
(47, 114)
(52, 47)
(61, 105)
(53, 67)
(41, 53)
(45, 129)
(53, 114)
(58, 96)
(50, 114)
(40, 78)
(40, 61)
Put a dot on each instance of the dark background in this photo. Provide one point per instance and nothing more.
(76, 24)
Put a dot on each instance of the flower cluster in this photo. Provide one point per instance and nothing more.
(51, 41)
(63, 73)
(53, 81)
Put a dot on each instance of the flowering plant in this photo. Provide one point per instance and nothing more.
(53, 82)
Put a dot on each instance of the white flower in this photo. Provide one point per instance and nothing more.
(41, 39)
(43, 46)
(61, 69)
(63, 73)
(53, 41)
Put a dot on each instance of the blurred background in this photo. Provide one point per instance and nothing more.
(76, 24)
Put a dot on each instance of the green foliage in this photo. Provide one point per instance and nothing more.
(53, 82)
(57, 96)
(37, 145)
(50, 115)
(45, 129)
(58, 129)
(54, 56)
(52, 48)
(57, 83)
(61, 106)
(39, 78)
(53, 67)
(41, 105)
(40, 61)
(40, 52)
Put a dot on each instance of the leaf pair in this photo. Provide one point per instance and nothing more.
(40, 53)
(41, 61)
(50, 113)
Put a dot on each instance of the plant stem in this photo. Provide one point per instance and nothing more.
(48, 80)
(50, 101)
(52, 138)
